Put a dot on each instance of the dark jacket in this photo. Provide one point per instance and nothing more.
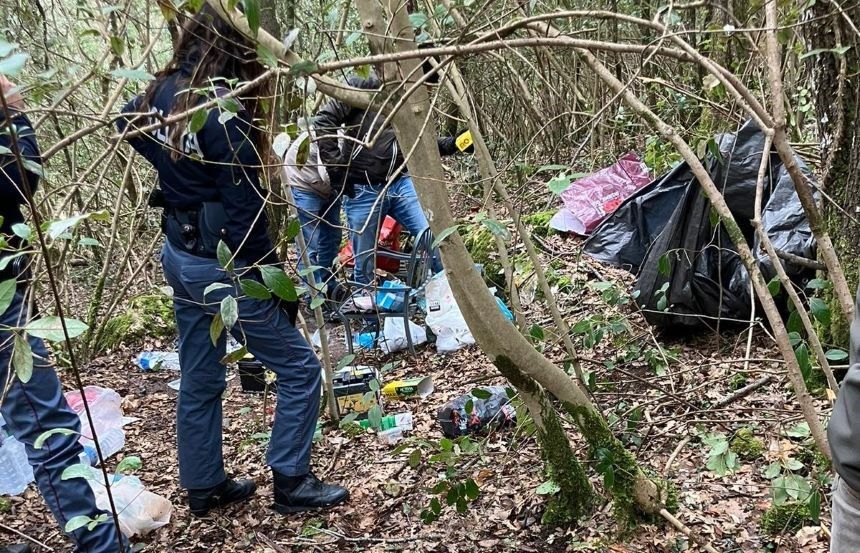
(843, 431)
(11, 180)
(219, 164)
(362, 165)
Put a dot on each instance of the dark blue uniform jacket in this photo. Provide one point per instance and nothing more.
(11, 181)
(218, 163)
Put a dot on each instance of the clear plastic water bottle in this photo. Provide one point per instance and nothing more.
(158, 360)
(15, 472)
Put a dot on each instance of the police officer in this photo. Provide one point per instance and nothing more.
(36, 406)
(211, 193)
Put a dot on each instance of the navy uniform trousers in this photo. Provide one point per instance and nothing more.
(266, 331)
(31, 409)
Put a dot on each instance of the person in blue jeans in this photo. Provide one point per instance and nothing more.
(361, 169)
(211, 194)
(33, 407)
(318, 208)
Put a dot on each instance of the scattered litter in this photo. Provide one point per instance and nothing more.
(403, 421)
(158, 360)
(391, 295)
(390, 436)
(15, 471)
(421, 386)
(140, 511)
(393, 336)
(445, 318)
(365, 340)
(351, 385)
(689, 272)
(107, 418)
(474, 413)
(589, 200)
(174, 384)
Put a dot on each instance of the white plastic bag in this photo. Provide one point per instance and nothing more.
(140, 511)
(444, 317)
(394, 335)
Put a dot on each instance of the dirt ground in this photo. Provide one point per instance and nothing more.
(389, 493)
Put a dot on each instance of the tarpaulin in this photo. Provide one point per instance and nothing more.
(689, 272)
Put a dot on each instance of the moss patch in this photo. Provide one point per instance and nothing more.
(746, 445)
(787, 518)
(539, 223)
(147, 316)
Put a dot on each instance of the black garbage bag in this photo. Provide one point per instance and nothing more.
(689, 272)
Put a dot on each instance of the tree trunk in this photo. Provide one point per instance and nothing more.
(512, 354)
(836, 89)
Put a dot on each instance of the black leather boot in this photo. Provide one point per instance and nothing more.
(305, 493)
(16, 548)
(228, 491)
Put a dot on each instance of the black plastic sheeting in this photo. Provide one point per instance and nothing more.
(669, 233)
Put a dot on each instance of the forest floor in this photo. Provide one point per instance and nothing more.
(661, 410)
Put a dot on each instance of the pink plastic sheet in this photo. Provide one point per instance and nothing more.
(589, 200)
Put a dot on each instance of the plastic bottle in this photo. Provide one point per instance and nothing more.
(158, 360)
(15, 472)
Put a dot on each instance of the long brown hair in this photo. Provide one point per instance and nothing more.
(210, 49)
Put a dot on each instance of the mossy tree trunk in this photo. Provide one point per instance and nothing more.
(836, 88)
(515, 357)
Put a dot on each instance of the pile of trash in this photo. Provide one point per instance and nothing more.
(689, 272)
(140, 511)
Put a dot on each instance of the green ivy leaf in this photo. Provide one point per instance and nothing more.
(51, 328)
(548, 488)
(198, 121)
(318, 301)
(279, 283)
(7, 294)
(76, 523)
(820, 310)
(497, 229)
(234, 356)
(216, 328)
(214, 286)
(293, 229)
(252, 13)
(80, 470)
(43, 437)
(414, 458)
(266, 56)
(480, 393)
(225, 256)
(229, 311)
(443, 235)
(774, 286)
(559, 184)
(129, 464)
(254, 289)
(303, 68)
(832, 354)
(374, 417)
